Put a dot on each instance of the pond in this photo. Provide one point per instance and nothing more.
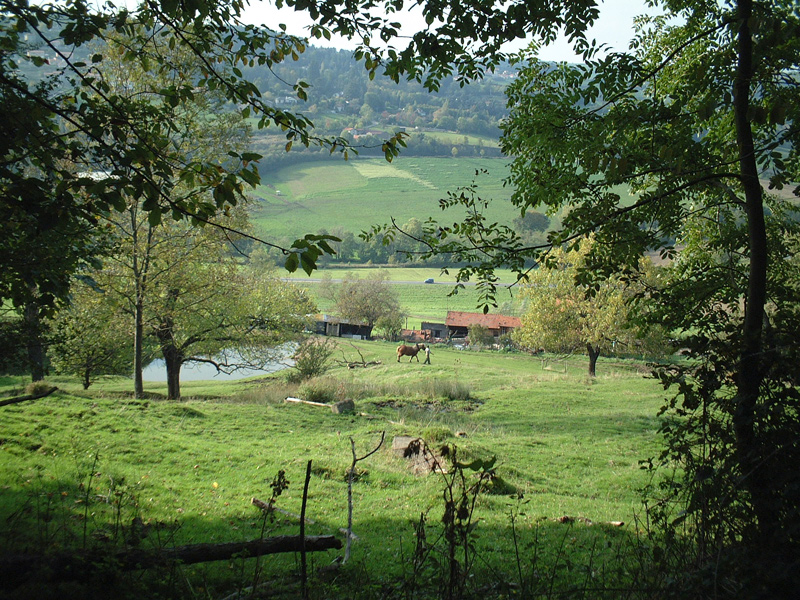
(157, 371)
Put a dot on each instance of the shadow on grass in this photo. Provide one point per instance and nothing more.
(392, 558)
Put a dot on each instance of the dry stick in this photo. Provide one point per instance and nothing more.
(303, 532)
(350, 476)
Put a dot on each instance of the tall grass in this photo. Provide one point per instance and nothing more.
(331, 389)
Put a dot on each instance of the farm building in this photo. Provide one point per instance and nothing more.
(434, 331)
(458, 323)
(336, 327)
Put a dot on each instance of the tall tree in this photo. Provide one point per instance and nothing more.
(694, 121)
(63, 118)
(698, 120)
(203, 131)
(202, 306)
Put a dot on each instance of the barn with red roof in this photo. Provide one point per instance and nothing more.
(458, 323)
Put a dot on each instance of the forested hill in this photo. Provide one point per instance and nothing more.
(343, 101)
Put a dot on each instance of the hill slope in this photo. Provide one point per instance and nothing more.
(356, 194)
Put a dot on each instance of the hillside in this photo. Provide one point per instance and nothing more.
(353, 195)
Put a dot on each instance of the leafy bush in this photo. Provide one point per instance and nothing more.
(37, 388)
(311, 359)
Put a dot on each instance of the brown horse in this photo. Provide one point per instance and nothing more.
(410, 351)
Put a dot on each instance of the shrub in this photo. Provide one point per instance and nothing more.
(480, 336)
(311, 359)
(37, 388)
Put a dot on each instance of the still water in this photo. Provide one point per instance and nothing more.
(156, 371)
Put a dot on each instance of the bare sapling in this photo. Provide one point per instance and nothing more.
(350, 476)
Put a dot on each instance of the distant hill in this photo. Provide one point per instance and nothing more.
(356, 194)
(343, 101)
(343, 198)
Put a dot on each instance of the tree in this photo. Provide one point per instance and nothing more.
(62, 119)
(201, 305)
(691, 119)
(561, 317)
(532, 222)
(195, 321)
(203, 130)
(479, 335)
(90, 337)
(391, 324)
(367, 300)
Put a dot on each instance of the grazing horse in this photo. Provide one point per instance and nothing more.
(411, 351)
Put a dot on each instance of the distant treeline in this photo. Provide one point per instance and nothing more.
(403, 249)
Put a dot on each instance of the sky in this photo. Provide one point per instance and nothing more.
(614, 27)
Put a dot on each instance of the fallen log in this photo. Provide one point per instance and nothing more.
(338, 408)
(299, 401)
(354, 364)
(67, 566)
(43, 394)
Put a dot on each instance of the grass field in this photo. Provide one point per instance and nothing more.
(76, 467)
(362, 192)
(452, 137)
(420, 301)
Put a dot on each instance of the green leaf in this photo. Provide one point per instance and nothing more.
(154, 217)
(292, 262)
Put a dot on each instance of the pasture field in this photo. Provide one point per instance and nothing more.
(362, 192)
(78, 466)
(420, 301)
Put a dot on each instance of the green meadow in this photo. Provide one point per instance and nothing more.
(362, 192)
(420, 301)
(356, 194)
(77, 467)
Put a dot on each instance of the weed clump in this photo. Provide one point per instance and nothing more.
(319, 390)
(38, 388)
(437, 434)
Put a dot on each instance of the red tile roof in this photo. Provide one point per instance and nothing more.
(465, 319)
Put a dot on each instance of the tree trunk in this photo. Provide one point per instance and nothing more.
(749, 374)
(173, 362)
(33, 335)
(19, 399)
(173, 357)
(138, 334)
(15, 570)
(594, 354)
